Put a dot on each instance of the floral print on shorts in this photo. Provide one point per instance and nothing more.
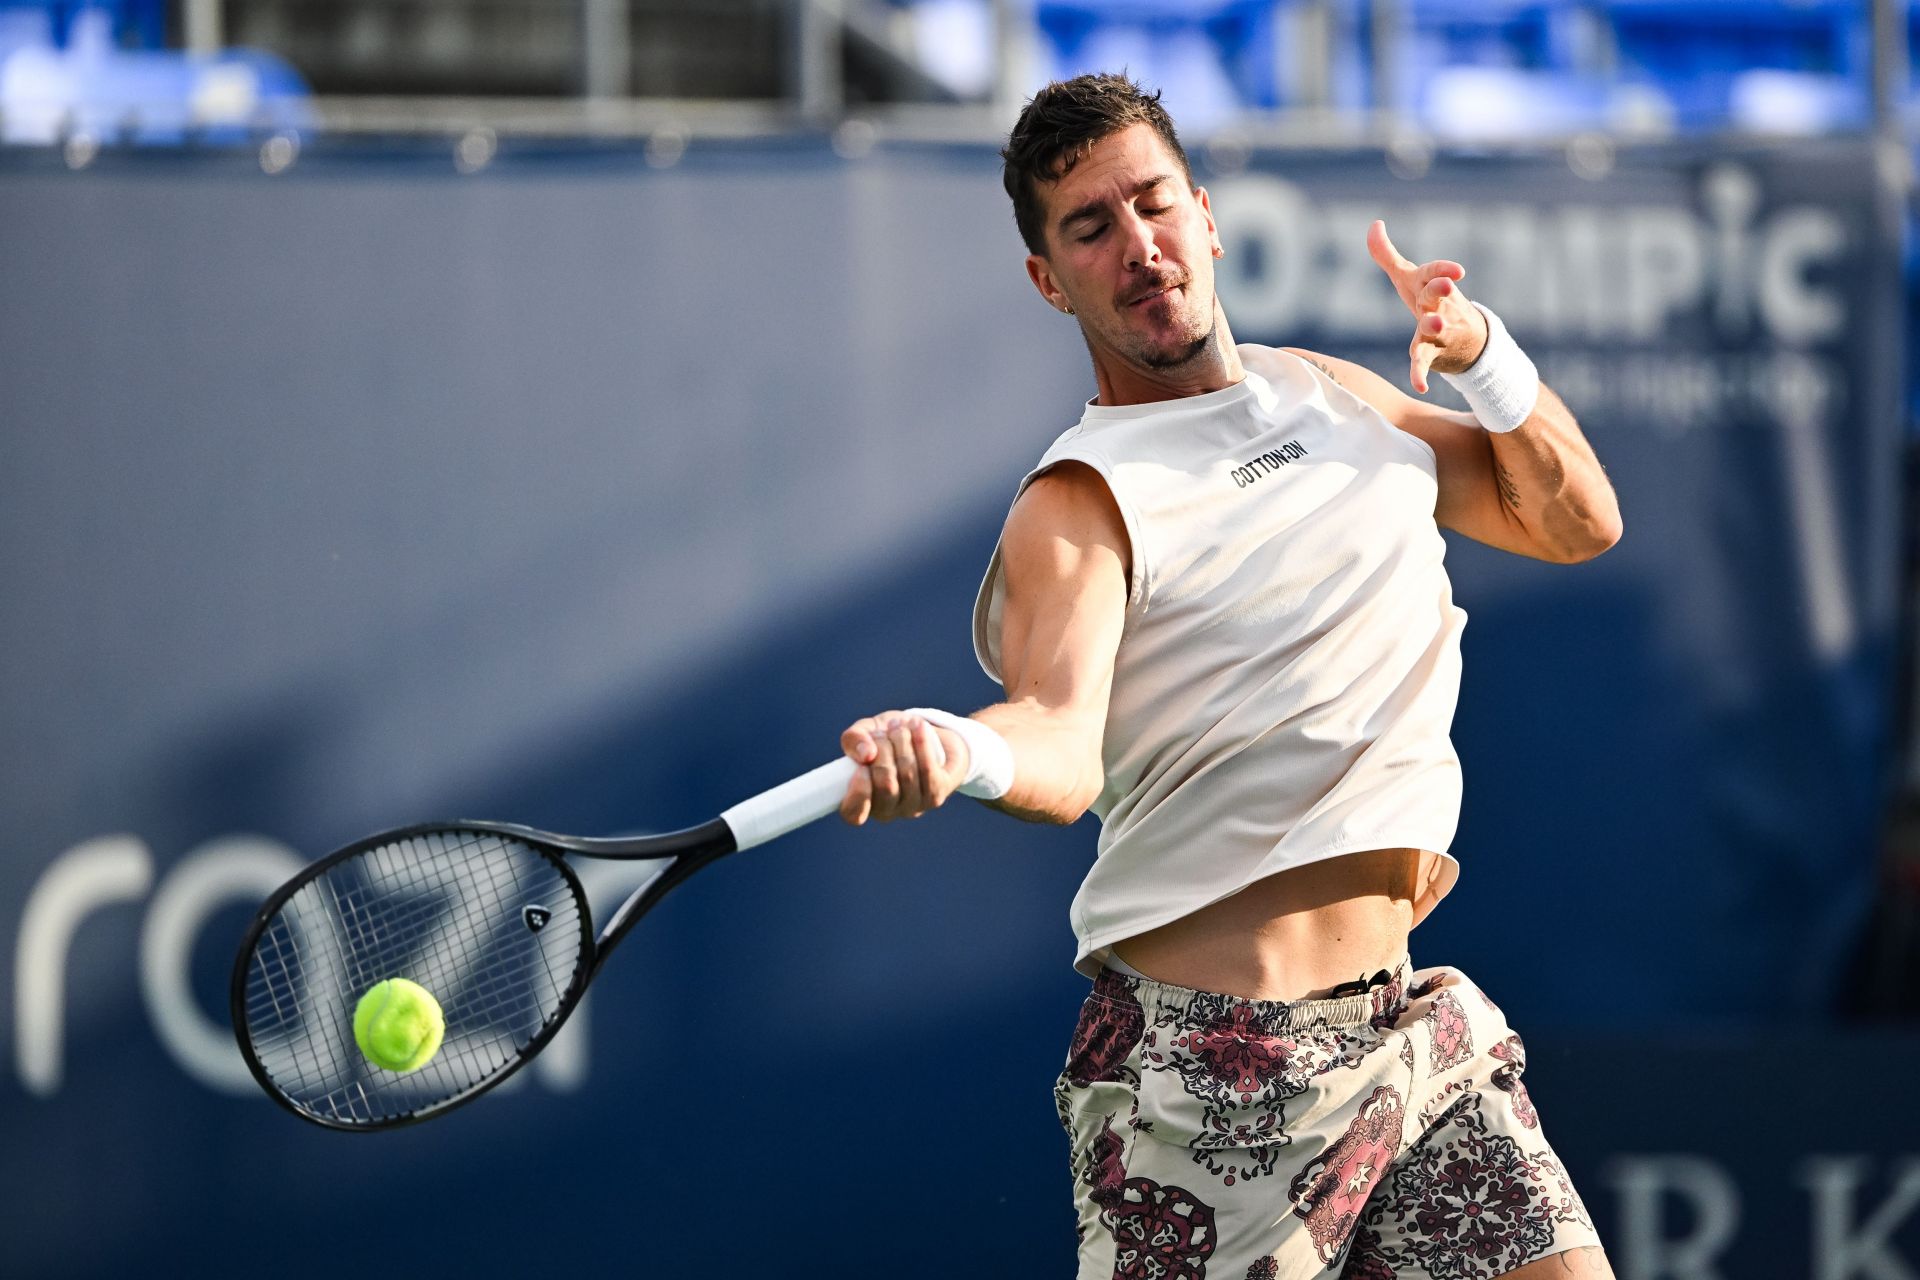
(1219, 1137)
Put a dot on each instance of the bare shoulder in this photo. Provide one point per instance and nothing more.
(1066, 499)
(1067, 513)
(1361, 381)
(1264, 360)
(1439, 427)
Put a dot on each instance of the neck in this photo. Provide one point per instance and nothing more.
(1215, 367)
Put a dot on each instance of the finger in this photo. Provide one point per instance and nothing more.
(1422, 364)
(1422, 352)
(906, 766)
(857, 740)
(1435, 291)
(927, 749)
(959, 760)
(858, 802)
(1439, 269)
(933, 749)
(1380, 245)
(886, 777)
(1388, 258)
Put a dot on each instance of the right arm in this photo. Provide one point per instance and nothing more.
(1066, 559)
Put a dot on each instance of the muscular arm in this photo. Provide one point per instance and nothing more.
(1065, 556)
(1537, 491)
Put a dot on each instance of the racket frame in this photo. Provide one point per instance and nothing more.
(689, 849)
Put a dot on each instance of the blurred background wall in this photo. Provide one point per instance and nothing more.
(575, 413)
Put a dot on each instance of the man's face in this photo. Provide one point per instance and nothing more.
(1130, 249)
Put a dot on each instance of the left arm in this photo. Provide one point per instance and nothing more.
(1537, 490)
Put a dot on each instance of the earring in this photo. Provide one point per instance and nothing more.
(1068, 308)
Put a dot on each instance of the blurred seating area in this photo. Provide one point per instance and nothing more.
(103, 73)
(1466, 69)
(1767, 66)
(1480, 68)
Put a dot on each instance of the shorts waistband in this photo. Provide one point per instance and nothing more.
(1381, 1000)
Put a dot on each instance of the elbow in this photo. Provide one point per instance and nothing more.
(1063, 813)
(1057, 803)
(1599, 534)
(1059, 772)
(1086, 790)
(1609, 533)
(1604, 531)
(1078, 804)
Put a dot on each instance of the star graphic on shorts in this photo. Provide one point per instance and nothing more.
(1361, 1178)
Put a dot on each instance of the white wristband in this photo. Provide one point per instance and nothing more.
(1502, 386)
(989, 758)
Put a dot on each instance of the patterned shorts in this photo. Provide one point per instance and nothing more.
(1370, 1137)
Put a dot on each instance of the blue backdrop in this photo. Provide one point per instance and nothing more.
(593, 495)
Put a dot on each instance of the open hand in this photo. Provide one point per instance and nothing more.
(1448, 331)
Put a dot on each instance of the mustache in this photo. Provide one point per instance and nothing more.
(1171, 280)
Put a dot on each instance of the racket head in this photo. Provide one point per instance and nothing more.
(487, 917)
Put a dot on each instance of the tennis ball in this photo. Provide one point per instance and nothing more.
(398, 1025)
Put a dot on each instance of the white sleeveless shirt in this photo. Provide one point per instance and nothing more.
(1287, 672)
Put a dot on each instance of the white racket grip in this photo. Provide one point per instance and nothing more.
(791, 805)
(989, 758)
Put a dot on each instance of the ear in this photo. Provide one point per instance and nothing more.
(1213, 231)
(1040, 271)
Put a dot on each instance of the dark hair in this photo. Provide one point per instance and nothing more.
(1059, 126)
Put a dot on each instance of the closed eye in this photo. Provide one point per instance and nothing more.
(1096, 233)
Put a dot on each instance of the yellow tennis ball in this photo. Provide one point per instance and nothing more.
(398, 1025)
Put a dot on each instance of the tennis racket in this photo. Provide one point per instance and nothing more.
(488, 917)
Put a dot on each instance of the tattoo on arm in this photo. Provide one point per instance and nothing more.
(1508, 489)
(1321, 365)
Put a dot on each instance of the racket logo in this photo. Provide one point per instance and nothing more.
(536, 917)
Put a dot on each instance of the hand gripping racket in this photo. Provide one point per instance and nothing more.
(486, 916)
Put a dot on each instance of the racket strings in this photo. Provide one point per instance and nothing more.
(448, 910)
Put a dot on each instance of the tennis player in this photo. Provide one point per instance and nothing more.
(1221, 618)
